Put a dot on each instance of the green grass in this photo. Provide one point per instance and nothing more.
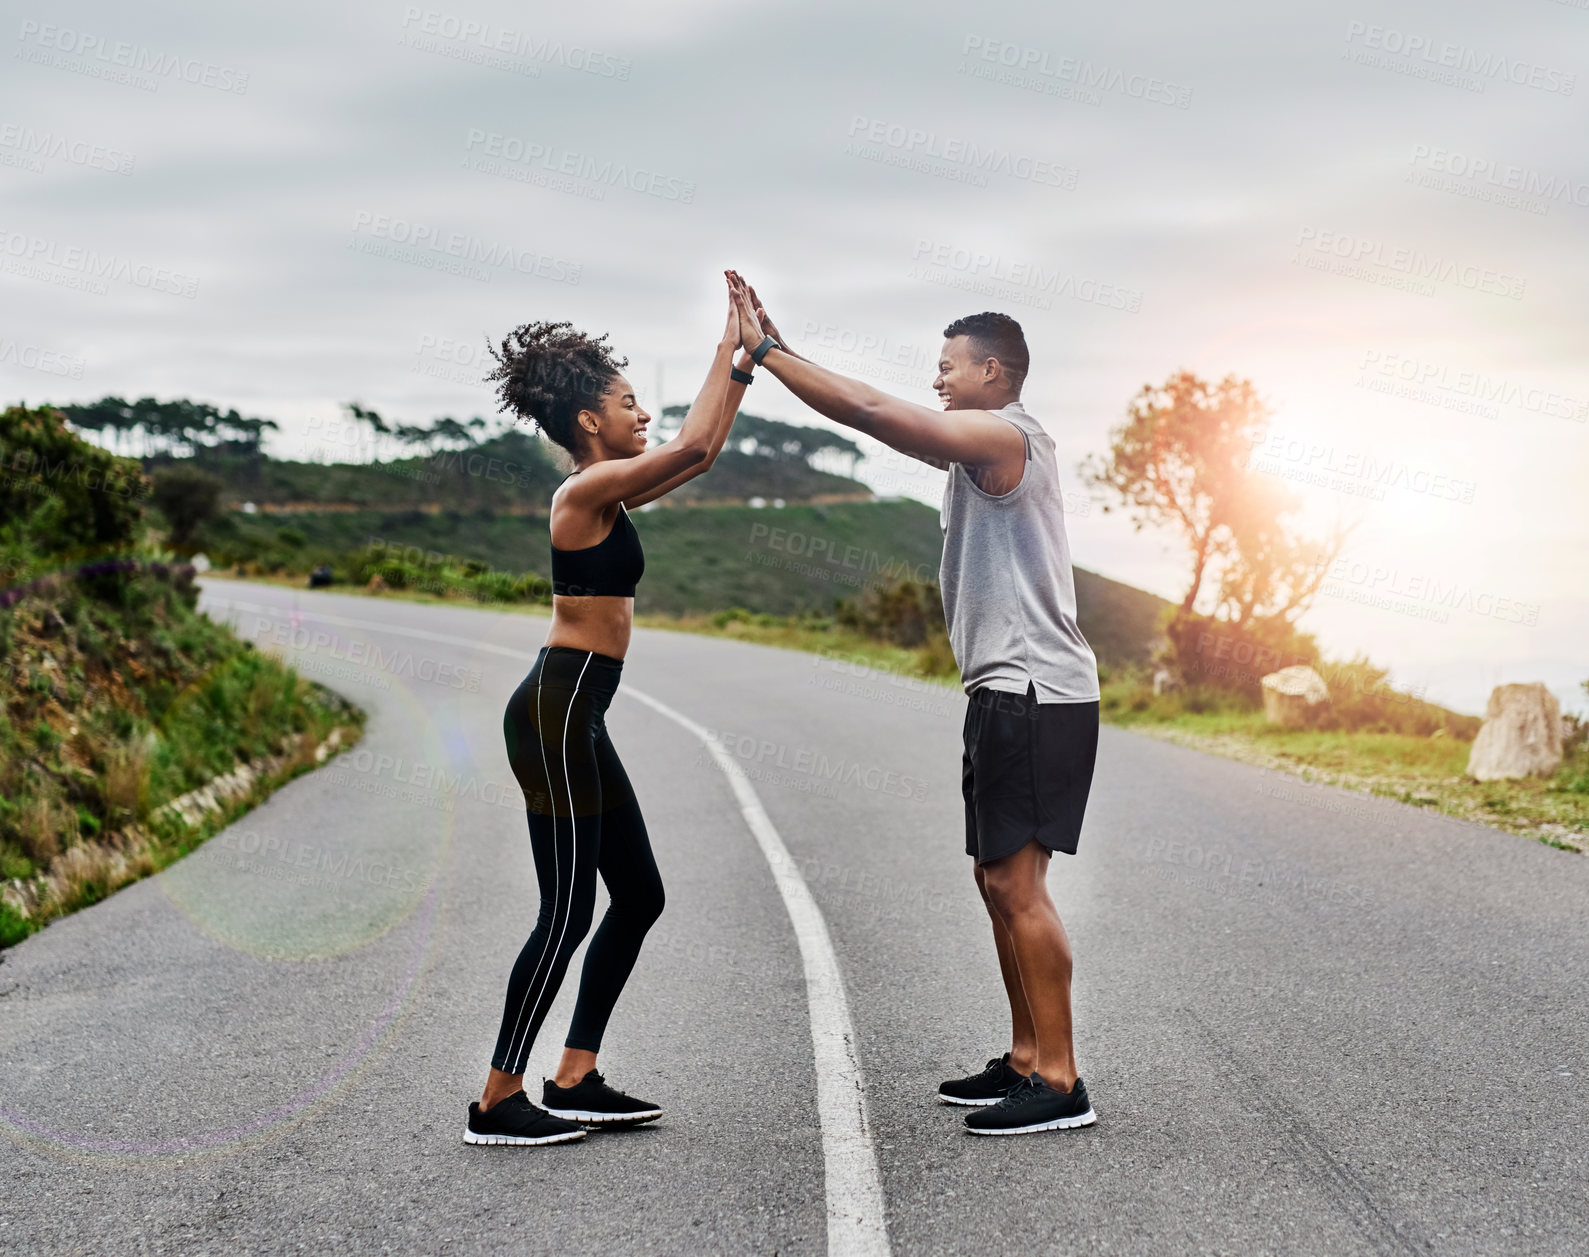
(1426, 772)
(115, 699)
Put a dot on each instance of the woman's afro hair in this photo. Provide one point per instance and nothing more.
(548, 372)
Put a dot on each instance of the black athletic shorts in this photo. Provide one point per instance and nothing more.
(1026, 772)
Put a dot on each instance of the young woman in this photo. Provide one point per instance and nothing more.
(583, 816)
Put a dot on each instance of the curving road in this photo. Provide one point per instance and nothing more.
(1311, 1022)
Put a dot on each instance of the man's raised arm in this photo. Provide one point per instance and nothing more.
(977, 438)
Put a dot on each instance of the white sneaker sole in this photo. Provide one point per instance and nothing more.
(471, 1137)
(600, 1119)
(1059, 1123)
(972, 1104)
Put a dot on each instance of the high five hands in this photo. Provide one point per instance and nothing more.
(754, 325)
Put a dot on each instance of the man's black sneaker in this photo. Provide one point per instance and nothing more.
(989, 1087)
(591, 1100)
(516, 1121)
(1031, 1106)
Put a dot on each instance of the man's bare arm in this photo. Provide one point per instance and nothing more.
(977, 438)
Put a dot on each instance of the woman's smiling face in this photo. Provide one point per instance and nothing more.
(620, 424)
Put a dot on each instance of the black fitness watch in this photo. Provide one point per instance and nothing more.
(761, 351)
(740, 377)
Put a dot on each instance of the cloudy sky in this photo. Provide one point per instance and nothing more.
(1377, 212)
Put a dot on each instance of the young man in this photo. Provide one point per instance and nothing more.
(1031, 728)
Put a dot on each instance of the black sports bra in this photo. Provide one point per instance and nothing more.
(610, 568)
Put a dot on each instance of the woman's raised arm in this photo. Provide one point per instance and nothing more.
(731, 400)
(631, 479)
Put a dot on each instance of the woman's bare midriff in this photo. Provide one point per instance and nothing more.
(601, 624)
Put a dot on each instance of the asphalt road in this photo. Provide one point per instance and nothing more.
(1311, 1022)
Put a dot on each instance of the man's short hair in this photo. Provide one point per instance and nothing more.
(995, 336)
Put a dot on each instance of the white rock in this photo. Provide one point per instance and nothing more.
(1521, 734)
(1290, 694)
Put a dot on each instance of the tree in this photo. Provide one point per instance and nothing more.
(1181, 459)
(410, 435)
(188, 498)
(448, 433)
(174, 429)
(378, 426)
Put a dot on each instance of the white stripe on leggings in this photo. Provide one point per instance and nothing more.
(557, 890)
(573, 846)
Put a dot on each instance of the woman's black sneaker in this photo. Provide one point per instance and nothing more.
(1033, 1106)
(592, 1101)
(989, 1087)
(516, 1121)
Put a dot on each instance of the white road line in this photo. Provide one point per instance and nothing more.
(857, 1225)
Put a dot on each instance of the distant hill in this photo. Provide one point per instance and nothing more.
(1121, 622)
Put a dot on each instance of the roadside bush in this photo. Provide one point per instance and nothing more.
(493, 586)
(1216, 654)
(1363, 700)
(61, 496)
(905, 613)
(532, 587)
(188, 498)
(1573, 775)
(440, 576)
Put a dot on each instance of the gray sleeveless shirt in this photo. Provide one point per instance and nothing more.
(1008, 592)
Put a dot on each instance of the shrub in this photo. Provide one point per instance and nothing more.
(531, 587)
(188, 498)
(1221, 655)
(13, 926)
(494, 586)
(906, 613)
(61, 495)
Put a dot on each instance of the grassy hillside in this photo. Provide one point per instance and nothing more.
(1371, 755)
(1121, 622)
(511, 474)
(116, 695)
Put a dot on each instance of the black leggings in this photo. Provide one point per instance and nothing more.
(583, 820)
